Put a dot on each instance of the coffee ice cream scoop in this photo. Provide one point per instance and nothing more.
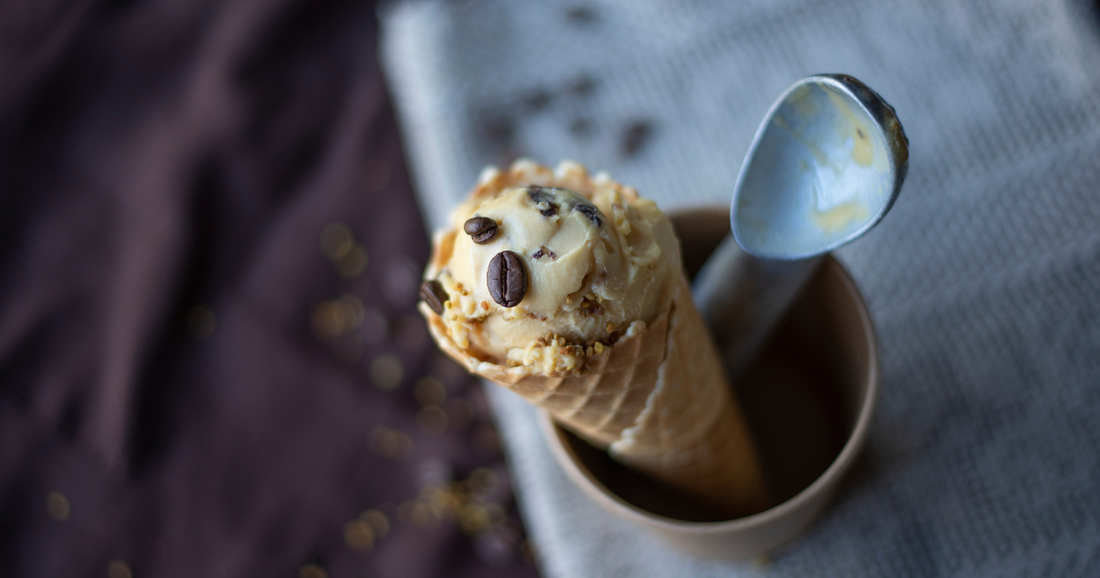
(567, 289)
(534, 266)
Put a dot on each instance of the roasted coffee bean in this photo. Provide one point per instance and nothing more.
(480, 229)
(591, 212)
(507, 279)
(542, 195)
(433, 293)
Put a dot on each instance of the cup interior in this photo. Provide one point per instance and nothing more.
(803, 397)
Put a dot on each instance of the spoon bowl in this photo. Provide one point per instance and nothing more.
(824, 167)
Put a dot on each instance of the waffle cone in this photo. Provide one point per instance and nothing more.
(598, 403)
(657, 399)
(692, 434)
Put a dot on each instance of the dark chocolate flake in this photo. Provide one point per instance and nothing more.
(591, 212)
(542, 195)
(538, 194)
(544, 252)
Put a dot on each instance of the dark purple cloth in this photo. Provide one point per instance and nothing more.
(202, 371)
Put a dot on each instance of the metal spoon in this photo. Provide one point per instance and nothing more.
(825, 166)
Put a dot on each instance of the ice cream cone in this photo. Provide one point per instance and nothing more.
(692, 434)
(656, 397)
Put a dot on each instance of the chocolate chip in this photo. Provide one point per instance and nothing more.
(480, 229)
(507, 279)
(433, 293)
(591, 212)
(542, 195)
(543, 252)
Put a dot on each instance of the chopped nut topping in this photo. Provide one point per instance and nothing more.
(591, 307)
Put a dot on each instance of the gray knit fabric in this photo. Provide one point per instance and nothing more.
(984, 281)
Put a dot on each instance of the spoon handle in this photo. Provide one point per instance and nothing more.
(742, 297)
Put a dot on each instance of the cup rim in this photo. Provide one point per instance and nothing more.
(855, 442)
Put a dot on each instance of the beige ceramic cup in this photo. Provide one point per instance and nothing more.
(808, 398)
